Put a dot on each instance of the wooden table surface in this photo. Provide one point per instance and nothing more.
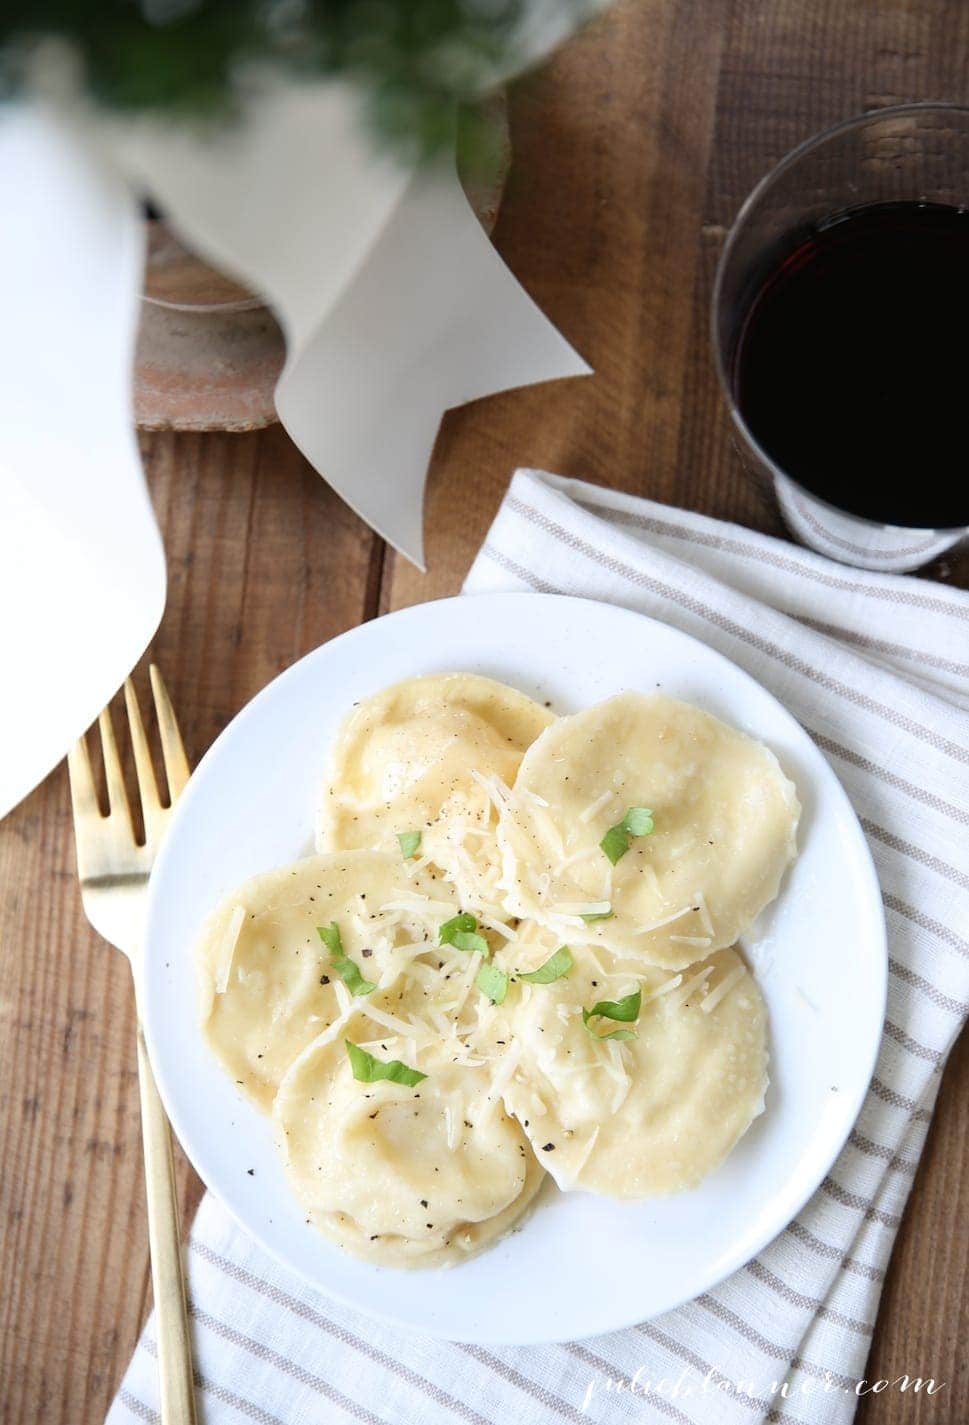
(633, 149)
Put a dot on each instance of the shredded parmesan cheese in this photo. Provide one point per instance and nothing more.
(719, 992)
(667, 986)
(667, 920)
(585, 854)
(227, 950)
(581, 908)
(705, 917)
(405, 1028)
(416, 903)
(450, 1127)
(602, 800)
(694, 983)
(498, 792)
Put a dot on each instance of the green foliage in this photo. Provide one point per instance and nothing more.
(423, 62)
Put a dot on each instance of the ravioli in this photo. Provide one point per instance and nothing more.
(267, 985)
(406, 760)
(643, 1116)
(503, 810)
(405, 1176)
(724, 823)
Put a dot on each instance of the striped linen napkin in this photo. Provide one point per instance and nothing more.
(870, 665)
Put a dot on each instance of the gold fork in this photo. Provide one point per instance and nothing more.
(113, 871)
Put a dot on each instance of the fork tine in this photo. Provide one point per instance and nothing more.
(113, 774)
(84, 797)
(117, 796)
(147, 785)
(176, 763)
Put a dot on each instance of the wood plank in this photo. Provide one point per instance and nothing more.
(264, 564)
(923, 1321)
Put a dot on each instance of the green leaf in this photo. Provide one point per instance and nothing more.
(348, 971)
(624, 1010)
(368, 1069)
(330, 935)
(638, 821)
(350, 975)
(468, 940)
(410, 843)
(461, 932)
(615, 843)
(492, 982)
(598, 915)
(464, 920)
(554, 968)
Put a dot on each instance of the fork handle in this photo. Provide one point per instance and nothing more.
(171, 1318)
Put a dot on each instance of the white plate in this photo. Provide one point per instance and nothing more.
(819, 954)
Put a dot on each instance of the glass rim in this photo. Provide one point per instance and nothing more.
(785, 162)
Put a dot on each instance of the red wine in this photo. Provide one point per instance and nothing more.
(850, 364)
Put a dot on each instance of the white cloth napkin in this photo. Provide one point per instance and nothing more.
(870, 664)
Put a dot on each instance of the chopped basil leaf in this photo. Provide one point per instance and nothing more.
(461, 932)
(624, 1010)
(464, 920)
(410, 843)
(471, 942)
(598, 915)
(615, 843)
(330, 935)
(492, 982)
(343, 966)
(554, 968)
(350, 975)
(368, 1069)
(638, 821)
